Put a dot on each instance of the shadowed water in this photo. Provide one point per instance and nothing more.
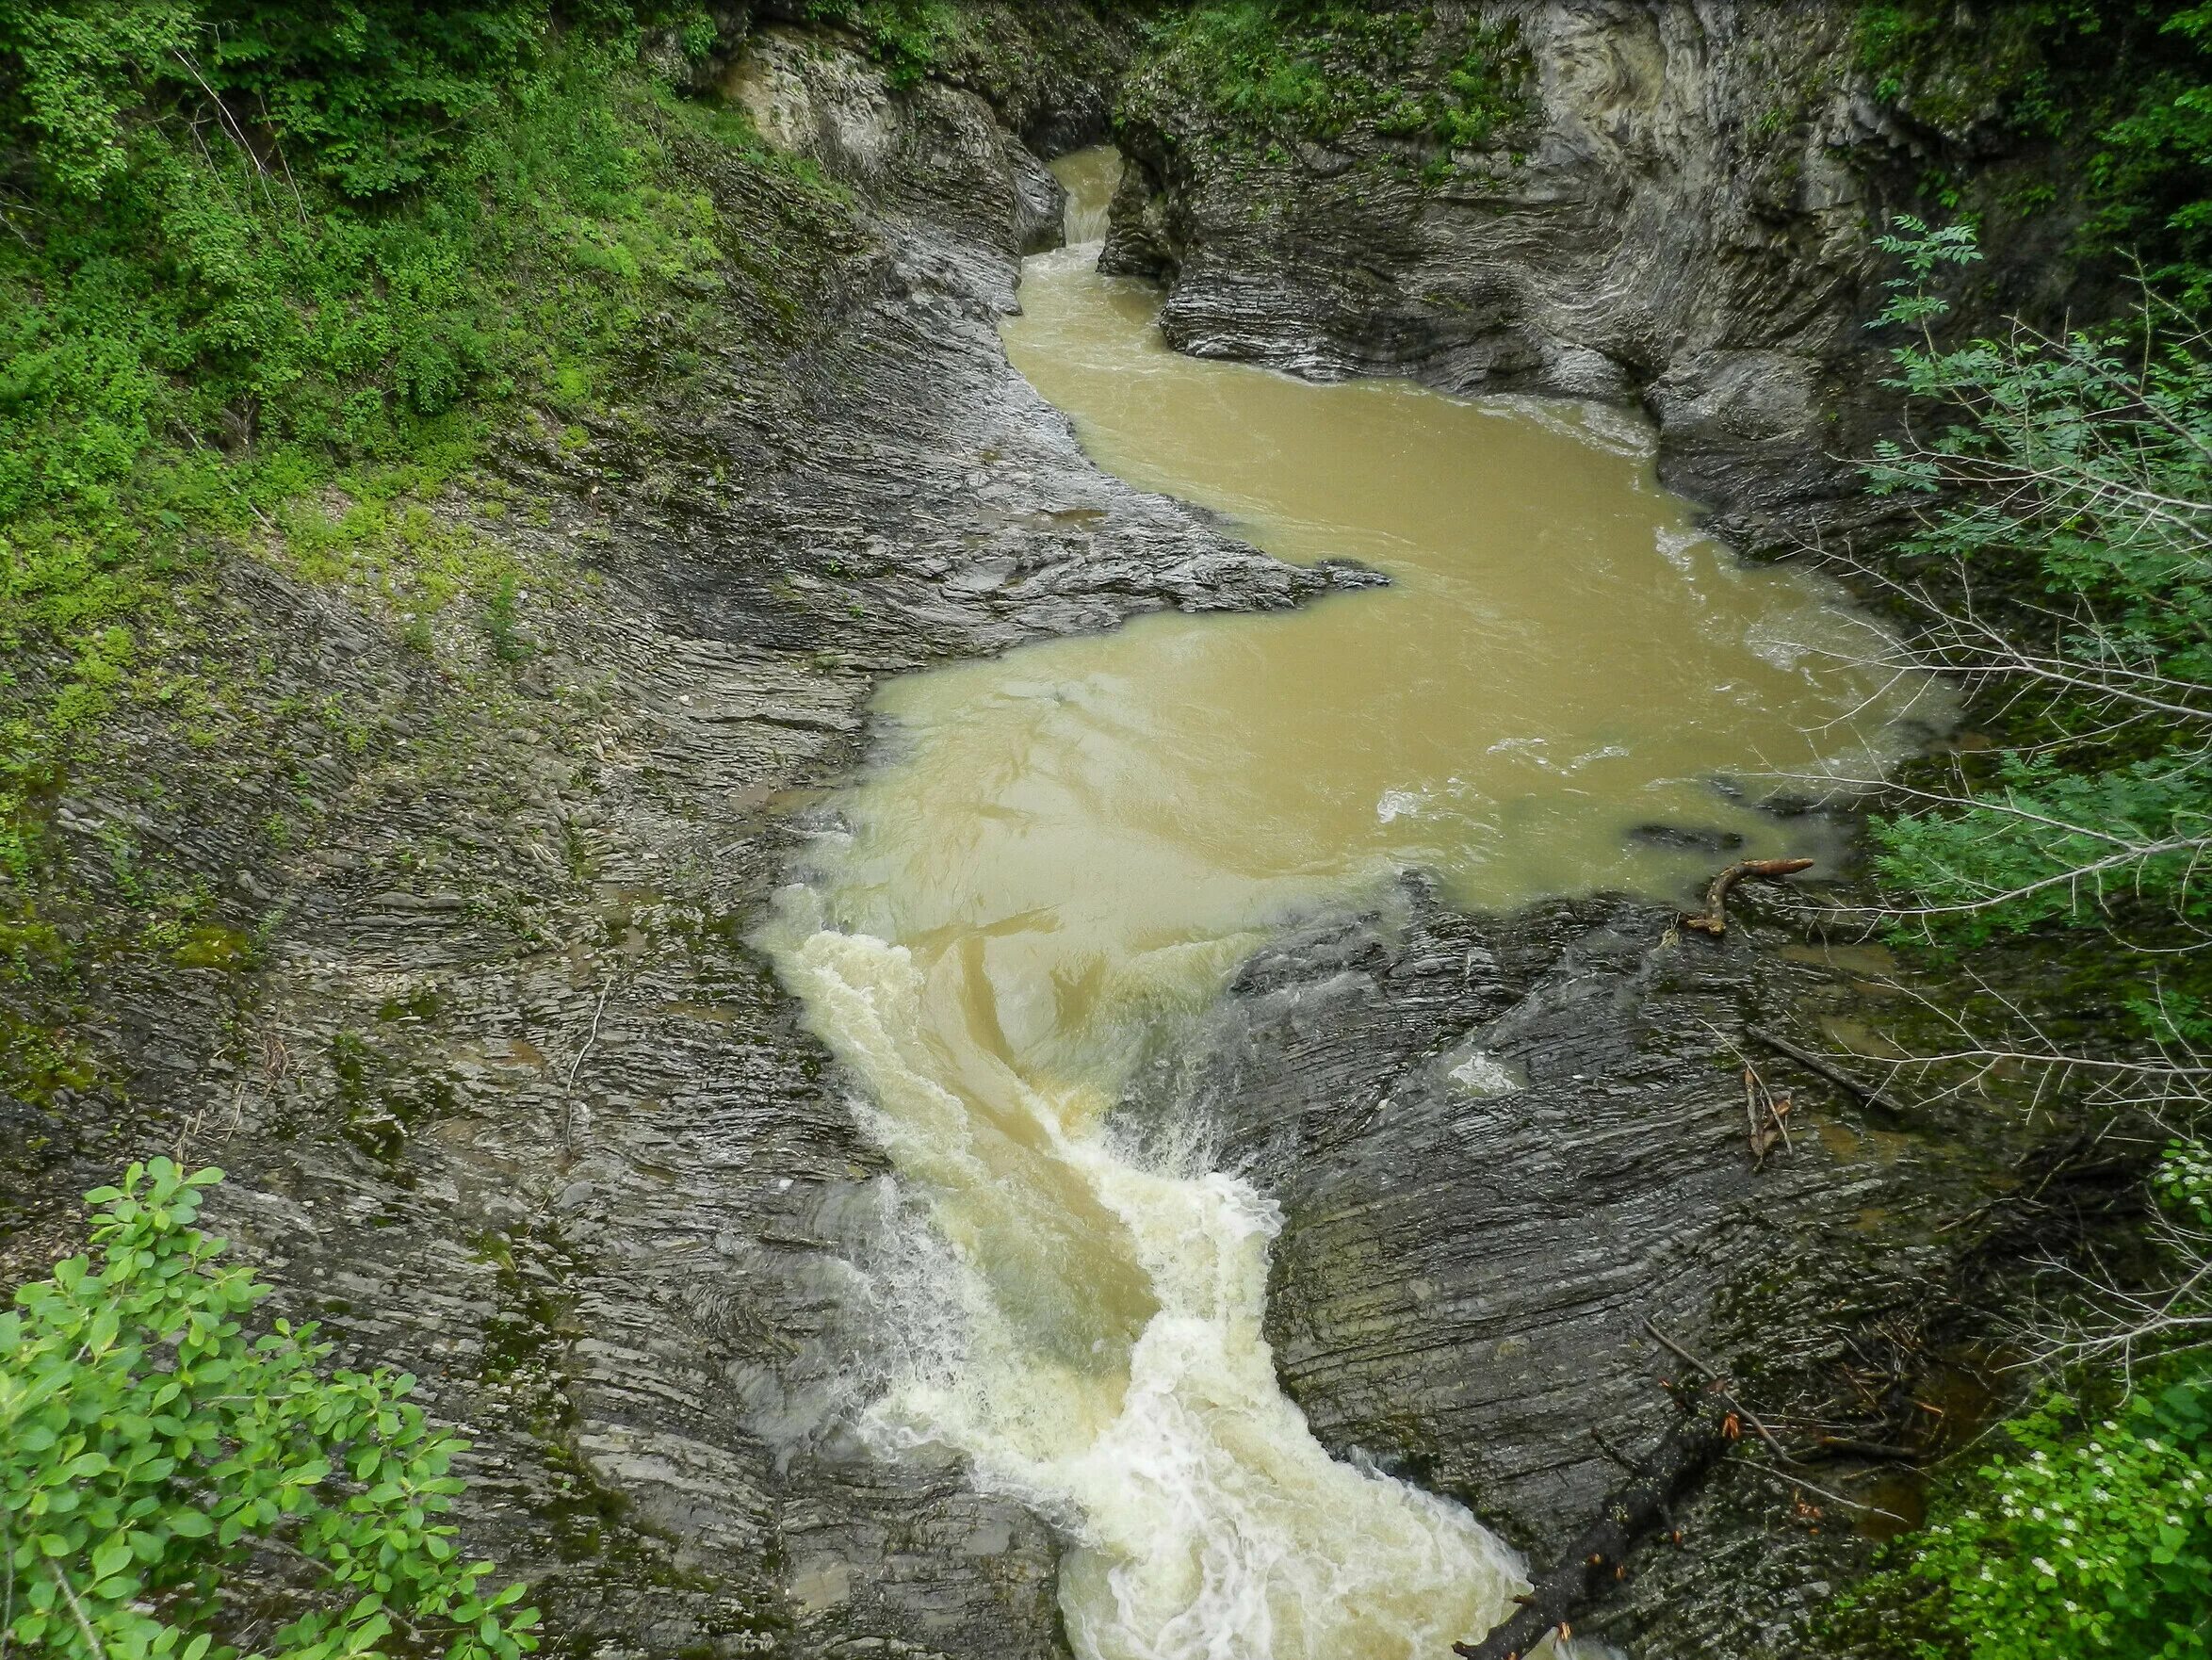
(1070, 849)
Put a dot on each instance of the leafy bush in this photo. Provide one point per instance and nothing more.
(2095, 1537)
(2071, 478)
(372, 93)
(151, 1451)
(1274, 70)
(910, 37)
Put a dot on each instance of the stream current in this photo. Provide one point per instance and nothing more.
(1061, 855)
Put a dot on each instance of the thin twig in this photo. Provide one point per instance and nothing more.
(1614, 1453)
(575, 1065)
(1719, 1378)
(75, 1607)
(1820, 1067)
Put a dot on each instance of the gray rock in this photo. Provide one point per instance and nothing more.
(1684, 220)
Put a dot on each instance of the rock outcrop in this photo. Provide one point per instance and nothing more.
(1503, 1145)
(1678, 211)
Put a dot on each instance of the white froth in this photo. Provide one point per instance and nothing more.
(1206, 1521)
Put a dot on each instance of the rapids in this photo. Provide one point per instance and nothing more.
(1061, 855)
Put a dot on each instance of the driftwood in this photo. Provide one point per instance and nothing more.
(1769, 1128)
(1600, 1558)
(1821, 1067)
(1712, 920)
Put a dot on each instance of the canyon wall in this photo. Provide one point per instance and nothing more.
(1677, 208)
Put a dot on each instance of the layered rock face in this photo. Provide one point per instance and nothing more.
(1678, 213)
(504, 1097)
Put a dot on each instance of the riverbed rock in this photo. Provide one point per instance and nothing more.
(1507, 1147)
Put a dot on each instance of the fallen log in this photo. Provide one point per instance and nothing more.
(1712, 920)
(1599, 1557)
(1849, 1446)
(1821, 1067)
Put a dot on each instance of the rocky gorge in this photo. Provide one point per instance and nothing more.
(1674, 205)
(507, 1097)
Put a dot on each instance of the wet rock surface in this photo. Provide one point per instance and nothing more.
(1682, 217)
(1503, 1145)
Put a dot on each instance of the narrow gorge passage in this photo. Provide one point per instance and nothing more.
(1061, 855)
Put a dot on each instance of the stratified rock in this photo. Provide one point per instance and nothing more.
(504, 1097)
(1680, 212)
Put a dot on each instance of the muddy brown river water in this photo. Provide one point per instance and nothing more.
(1064, 854)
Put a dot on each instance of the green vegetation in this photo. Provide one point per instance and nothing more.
(1277, 71)
(2092, 1533)
(910, 37)
(2131, 77)
(271, 276)
(206, 323)
(2079, 472)
(152, 1453)
(2062, 560)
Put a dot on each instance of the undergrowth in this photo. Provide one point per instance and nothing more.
(2060, 562)
(2127, 83)
(910, 38)
(2088, 1528)
(271, 277)
(175, 1469)
(1270, 73)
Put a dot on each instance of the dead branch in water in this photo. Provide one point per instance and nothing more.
(1712, 920)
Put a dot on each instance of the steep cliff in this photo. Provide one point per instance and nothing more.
(1669, 202)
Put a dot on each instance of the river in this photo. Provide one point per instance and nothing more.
(1060, 856)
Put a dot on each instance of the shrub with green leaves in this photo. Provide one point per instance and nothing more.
(910, 37)
(2061, 490)
(2093, 1533)
(2093, 1537)
(154, 1448)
